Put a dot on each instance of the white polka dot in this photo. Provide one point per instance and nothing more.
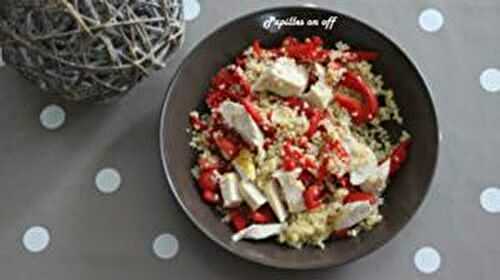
(165, 246)
(108, 180)
(36, 239)
(52, 117)
(490, 200)
(191, 9)
(427, 260)
(490, 79)
(431, 20)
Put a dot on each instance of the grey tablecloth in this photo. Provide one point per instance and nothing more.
(47, 177)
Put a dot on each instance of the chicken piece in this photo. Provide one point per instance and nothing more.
(258, 232)
(244, 165)
(229, 188)
(319, 95)
(377, 183)
(284, 78)
(235, 116)
(292, 189)
(351, 214)
(363, 162)
(272, 194)
(251, 195)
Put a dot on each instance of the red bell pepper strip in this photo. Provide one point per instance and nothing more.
(353, 106)
(354, 82)
(356, 56)
(253, 111)
(314, 120)
(309, 51)
(237, 220)
(312, 197)
(360, 196)
(398, 156)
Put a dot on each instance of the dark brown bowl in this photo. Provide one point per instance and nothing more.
(186, 92)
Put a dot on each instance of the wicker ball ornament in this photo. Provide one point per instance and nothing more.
(89, 50)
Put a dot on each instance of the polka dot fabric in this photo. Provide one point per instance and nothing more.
(51, 166)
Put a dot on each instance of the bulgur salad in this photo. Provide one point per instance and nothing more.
(295, 144)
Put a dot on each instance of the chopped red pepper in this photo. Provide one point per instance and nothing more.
(322, 171)
(315, 118)
(356, 56)
(228, 148)
(295, 102)
(309, 51)
(289, 163)
(263, 215)
(197, 123)
(208, 180)
(306, 177)
(210, 197)
(312, 197)
(360, 196)
(341, 233)
(237, 219)
(207, 163)
(399, 155)
(355, 82)
(257, 49)
(336, 147)
(291, 151)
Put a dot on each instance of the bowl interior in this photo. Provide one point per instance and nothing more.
(186, 92)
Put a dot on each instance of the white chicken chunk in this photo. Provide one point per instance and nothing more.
(235, 116)
(292, 189)
(229, 188)
(252, 195)
(284, 78)
(363, 160)
(352, 213)
(258, 232)
(272, 193)
(319, 95)
(377, 183)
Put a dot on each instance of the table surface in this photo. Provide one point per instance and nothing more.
(47, 177)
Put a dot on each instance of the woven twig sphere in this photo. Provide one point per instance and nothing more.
(89, 50)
